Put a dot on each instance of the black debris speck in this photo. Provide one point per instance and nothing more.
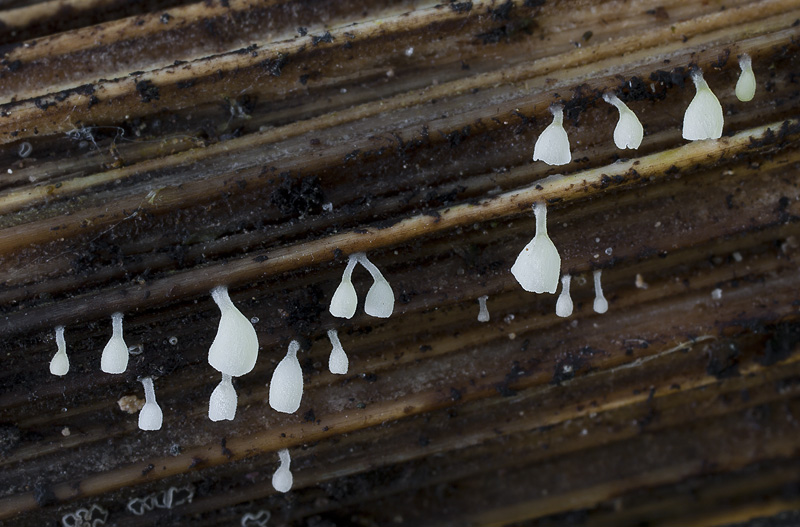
(503, 12)
(298, 196)
(326, 37)
(165, 18)
(147, 90)
(302, 31)
(43, 495)
(461, 7)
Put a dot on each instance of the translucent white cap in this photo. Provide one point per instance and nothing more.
(235, 347)
(150, 416)
(282, 479)
(538, 265)
(600, 302)
(380, 297)
(337, 362)
(703, 118)
(552, 147)
(222, 404)
(345, 300)
(629, 131)
(746, 85)
(286, 386)
(483, 311)
(115, 355)
(564, 302)
(59, 364)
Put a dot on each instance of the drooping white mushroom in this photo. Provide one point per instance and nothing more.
(222, 404)
(564, 302)
(150, 416)
(380, 297)
(703, 118)
(538, 265)
(115, 355)
(483, 311)
(59, 364)
(600, 302)
(629, 131)
(338, 362)
(552, 147)
(746, 85)
(286, 386)
(344, 301)
(235, 347)
(282, 479)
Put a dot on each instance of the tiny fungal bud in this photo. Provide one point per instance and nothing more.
(380, 297)
(25, 150)
(115, 355)
(552, 147)
(222, 404)
(629, 131)
(483, 311)
(640, 283)
(59, 364)
(286, 386)
(538, 265)
(282, 479)
(564, 302)
(344, 301)
(337, 362)
(746, 85)
(235, 347)
(600, 302)
(150, 416)
(703, 118)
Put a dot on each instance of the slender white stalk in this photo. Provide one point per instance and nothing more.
(600, 302)
(115, 355)
(286, 386)
(222, 404)
(538, 265)
(380, 297)
(552, 147)
(628, 132)
(150, 416)
(59, 364)
(344, 301)
(235, 347)
(483, 311)
(564, 302)
(282, 479)
(746, 85)
(703, 118)
(338, 362)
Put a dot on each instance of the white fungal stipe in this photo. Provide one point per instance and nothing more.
(59, 364)
(235, 347)
(538, 265)
(629, 131)
(552, 147)
(282, 479)
(344, 301)
(483, 313)
(222, 404)
(703, 118)
(600, 302)
(746, 85)
(115, 355)
(150, 416)
(564, 302)
(286, 386)
(380, 297)
(337, 362)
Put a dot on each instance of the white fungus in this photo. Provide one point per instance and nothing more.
(552, 147)
(150, 416)
(703, 118)
(600, 302)
(716, 294)
(483, 311)
(629, 131)
(344, 301)
(115, 355)
(746, 85)
(380, 297)
(286, 386)
(282, 479)
(235, 347)
(222, 404)
(564, 302)
(337, 362)
(538, 265)
(59, 364)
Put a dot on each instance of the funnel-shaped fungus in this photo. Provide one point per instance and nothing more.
(59, 364)
(337, 362)
(564, 302)
(235, 348)
(746, 85)
(286, 386)
(380, 297)
(703, 118)
(600, 302)
(344, 301)
(282, 479)
(483, 311)
(115, 355)
(538, 265)
(552, 147)
(150, 416)
(629, 131)
(222, 404)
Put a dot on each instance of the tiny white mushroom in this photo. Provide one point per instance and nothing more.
(235, 347)
(344, 301)
(483, 311)
(222, 404)
(629, 131)
(552, 146)
(59, 364)
(538, 265)
(380, 297)
(282, 479)
(115, 355)
(150, 416)
(564, 302)
(703, 118)
(337, 362)
(746, 85)
(600, 302)
(286, 386)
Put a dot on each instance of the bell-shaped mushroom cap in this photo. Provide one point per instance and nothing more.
(564, 302)
(344, 301)
(282, 479)
(600, 303)
(538, 265)
(629, 131)
(222, 404)
(286, 386)
(150, 416)
(552, 146)
(746, 85)
(703, 118)
(115, 355)
(235, 347)
(59, 364)
(380, 297)
(338, 362)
